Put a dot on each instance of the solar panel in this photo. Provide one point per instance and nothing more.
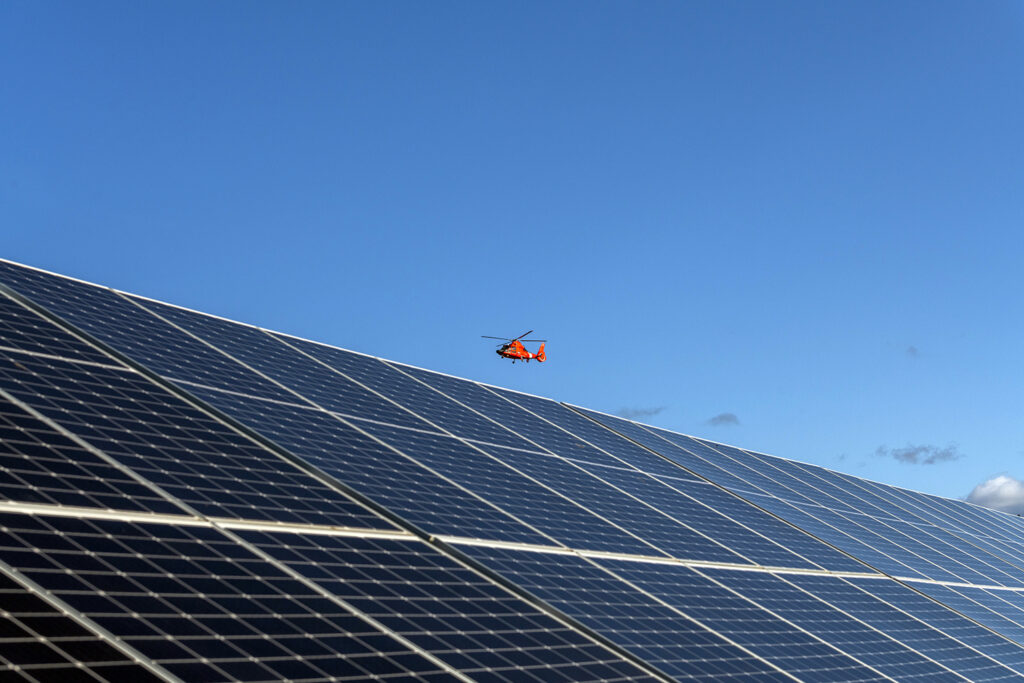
(184, 497)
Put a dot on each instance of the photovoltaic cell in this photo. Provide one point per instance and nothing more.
(420, 496)
(532, 501)
(24, 330)
(542, 434)
(743, 622)
(199, 604)
(722, 530)
(173, 445)
(676, 454)
(951, 622)
(656, 532)
(605, 439)
(867, 604)
(40, 465)
(39, 643)
(962, 599)
(629, 617)
(758, 520)
(265, 353)
(836, 627)
(446, 609)
(134, 332)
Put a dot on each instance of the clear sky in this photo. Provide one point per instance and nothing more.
(794, 227)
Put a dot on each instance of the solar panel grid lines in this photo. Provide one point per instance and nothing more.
(950, 548)
(200, 603)
(961, 599)
(544, 436)
(47, 603)
(826, 552)
(727, 611)
(910, 598)
(672, 498)
(901, 625)
(359, 463)
(559, 439)
(308, 379)
(611, 443)
(991, 532)
(847, 521)
(110, 483)
(516, 492)
(635, 619)
(33, 334)
(932, 562)
(111, 321)
(917, 507)
(850, 634)
(421, 592)
(175, 445)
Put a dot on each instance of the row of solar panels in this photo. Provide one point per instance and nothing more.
(649, 548)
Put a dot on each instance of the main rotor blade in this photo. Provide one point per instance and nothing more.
(484, 336)
(524, 334)
(533, 340)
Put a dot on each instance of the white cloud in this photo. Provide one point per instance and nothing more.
(1002, 492)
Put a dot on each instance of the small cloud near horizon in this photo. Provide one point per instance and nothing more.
(635, 413)
(920, 455)
(724, 419)
(1001, 492)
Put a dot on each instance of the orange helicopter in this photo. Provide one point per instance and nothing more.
(514, 349)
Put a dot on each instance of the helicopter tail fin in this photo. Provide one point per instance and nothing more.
(541, 356)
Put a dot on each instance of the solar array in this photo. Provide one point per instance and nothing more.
(187, 498)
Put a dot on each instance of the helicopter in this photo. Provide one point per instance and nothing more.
(514, 349)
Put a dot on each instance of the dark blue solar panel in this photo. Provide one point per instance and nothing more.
(175, 446)
(715, 454)
(765, 471)
(700, 517)
(446, 609)
(853, 637)
(42, 644)
(414, 395)
(419, 495)
(869, 606)
(962, 599)
(530, 500)
(822, 524)
(805, 656)
(543, 434)
(633, 619)
(802, 479)
(315, 381)
(675, 453)
(602, 437)
(40, 465)
(768, 526)
(659, 533)
(22, 329)
(136, 333)
(952, 623)
(199, 604)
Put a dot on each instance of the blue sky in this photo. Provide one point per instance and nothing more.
(804, 215)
